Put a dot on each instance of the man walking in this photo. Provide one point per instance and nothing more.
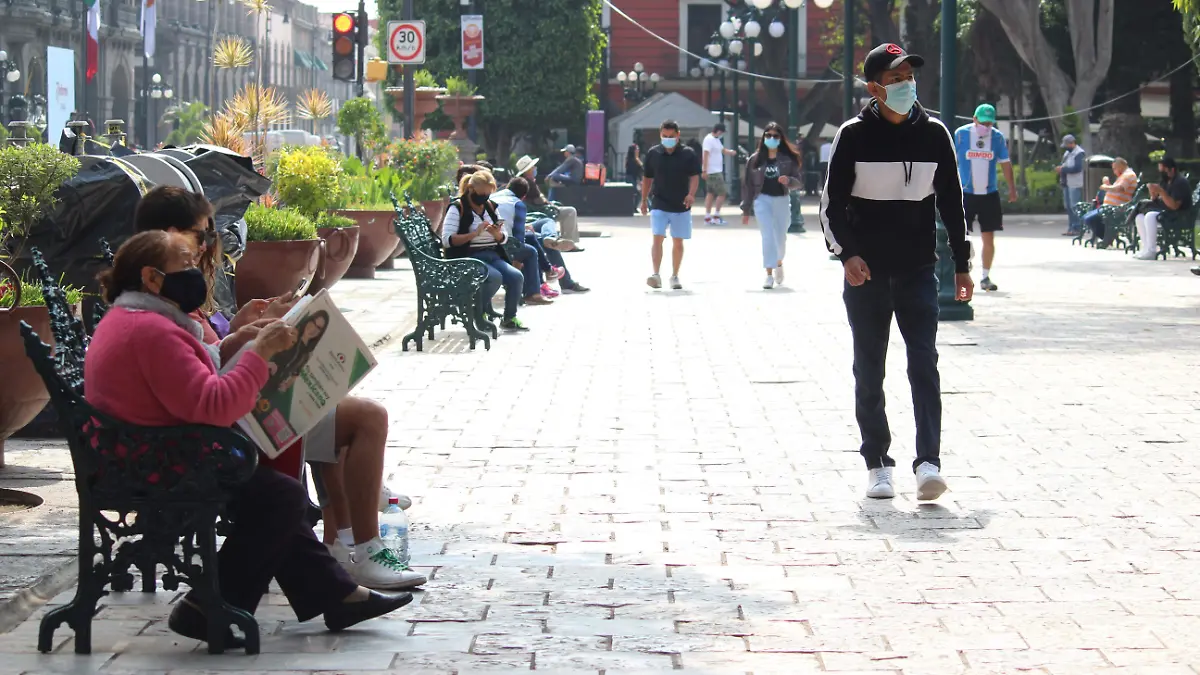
(1070, 177)
(981, 146)
(714, 152)
(672, 174)
(888, 169)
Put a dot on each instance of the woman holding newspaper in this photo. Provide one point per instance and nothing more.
(147, 365)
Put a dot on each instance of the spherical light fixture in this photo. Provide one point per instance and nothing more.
(157, 79)
(694, 72)
(710, 71)
(156, 93)
(654, 78)
(13, 75)
(714, 50)
(758, 49)
(622, 77)
(753, 29)
(633, 76)
(823, 4)
(776, 29)
(705, 63)
(793, 4)
(724, 63)
(735, 47)
(169, 93)
(761, 4)
(3, 55)
(727, 29)
(639, 67)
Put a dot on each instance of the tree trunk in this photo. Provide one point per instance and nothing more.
(1183, 116)
(919, 36)
(879, 17)
(1123, 134)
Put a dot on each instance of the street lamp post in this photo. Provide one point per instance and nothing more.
(158, 91)
(949, 308)
(11, 74)
(634, 83)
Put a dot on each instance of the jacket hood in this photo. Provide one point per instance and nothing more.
(870, 114)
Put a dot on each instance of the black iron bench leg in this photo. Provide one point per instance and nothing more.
(79, 612)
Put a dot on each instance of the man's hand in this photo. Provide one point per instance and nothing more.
(1104, 181)
(745, 219)
(1058, 169)
(1155, 189)
(964, 288)
(688, 201)
(645, 207)
(857, 272)
(1012, 195)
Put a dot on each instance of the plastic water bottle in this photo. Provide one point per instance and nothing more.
(393, 529)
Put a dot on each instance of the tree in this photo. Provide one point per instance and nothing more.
(1090, 24)
(543, 62)
(188, 120)
(361, 119)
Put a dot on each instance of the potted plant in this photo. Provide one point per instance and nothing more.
(29, 177)
(367, 201)
(426, 168)
(310, 179)
(425, 98)
(459, 103)
(283, 254)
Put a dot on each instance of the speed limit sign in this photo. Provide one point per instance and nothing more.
(406, 42)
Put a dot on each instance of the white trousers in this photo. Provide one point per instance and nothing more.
(1147, 227)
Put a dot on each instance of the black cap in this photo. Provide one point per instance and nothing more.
(719, 126)
(888, 56)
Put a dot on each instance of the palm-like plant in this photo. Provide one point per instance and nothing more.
(232, 53)
(226, 131)
(314, 104)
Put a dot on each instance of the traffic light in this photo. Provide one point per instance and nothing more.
(345, 46)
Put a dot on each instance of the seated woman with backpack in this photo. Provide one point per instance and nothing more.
(471, 229)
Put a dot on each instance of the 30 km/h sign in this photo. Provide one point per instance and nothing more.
(406, 42)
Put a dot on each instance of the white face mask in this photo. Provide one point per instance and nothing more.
(901, 96)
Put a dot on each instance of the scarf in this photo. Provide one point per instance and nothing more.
(139, 301)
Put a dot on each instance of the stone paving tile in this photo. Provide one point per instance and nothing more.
(651, 482)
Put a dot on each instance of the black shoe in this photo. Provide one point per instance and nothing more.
(513, 324)
(190, 622)
(347, 614)
(575, 288)
(1196, 271)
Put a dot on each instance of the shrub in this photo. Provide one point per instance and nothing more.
(426, 167)
(309, 179)
(458, 86)
(268, 224)
(31, 293)
(424, 78)
(29, 177)
(330, 219)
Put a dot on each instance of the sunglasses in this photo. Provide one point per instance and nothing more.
(208, 237)
(773, 136)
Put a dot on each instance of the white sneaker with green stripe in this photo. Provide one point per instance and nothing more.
(377, 567)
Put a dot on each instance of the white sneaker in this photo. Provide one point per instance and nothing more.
(387, 493)
(879, 483)
(376, 567)
(930, 484)
(654, 281)
(340, 553)
(675, 283)
(778, 276)
(770, 282)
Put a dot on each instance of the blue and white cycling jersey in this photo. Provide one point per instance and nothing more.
(978, 157)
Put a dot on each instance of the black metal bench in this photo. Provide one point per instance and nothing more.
(446, 289)
(1177, 229)
(1118, 223)
(148, 496)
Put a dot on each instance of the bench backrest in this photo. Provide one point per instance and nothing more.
(70, 337)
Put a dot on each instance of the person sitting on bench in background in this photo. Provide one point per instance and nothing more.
(567, 217)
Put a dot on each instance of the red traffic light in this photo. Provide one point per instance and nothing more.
(343, 23)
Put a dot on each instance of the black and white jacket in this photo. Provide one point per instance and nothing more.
(883, 184)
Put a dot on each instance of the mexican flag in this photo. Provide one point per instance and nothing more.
(149, 23)
(93, 38)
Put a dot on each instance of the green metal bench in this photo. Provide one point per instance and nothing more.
(1118, 223)
(1177, 229)
(446, 289)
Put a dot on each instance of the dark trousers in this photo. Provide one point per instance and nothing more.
(500, 272)
(271, 539)
(531, 275)
(548, 257)
(913, 299)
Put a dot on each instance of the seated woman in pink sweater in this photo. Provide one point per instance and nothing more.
(345, 449)
(147, 365)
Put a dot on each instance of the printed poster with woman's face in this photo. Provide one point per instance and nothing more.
(307, 381)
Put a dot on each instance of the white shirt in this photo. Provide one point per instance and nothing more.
(453, 218)
(716, 154)
(826, 149)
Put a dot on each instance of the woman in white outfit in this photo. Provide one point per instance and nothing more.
(771, 172)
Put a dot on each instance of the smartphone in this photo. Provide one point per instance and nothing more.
(303, 286)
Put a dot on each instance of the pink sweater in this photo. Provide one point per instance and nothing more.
(143, 369)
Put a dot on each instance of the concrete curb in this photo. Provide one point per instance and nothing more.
(25, 602)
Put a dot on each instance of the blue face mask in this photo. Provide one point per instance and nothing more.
(669, 142)
(771, 143)
(901, 96)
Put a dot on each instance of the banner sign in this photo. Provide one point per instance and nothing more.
(60, 91)
(472, 42)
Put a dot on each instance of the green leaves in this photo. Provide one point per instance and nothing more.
(270, 224)
(361, 119)
(29, 177)
(309, 179)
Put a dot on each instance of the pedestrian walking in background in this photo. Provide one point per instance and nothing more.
(1070, 177)
(771, 172)
(981, 147)
(889, 167)
(633, 172)
(713, 153)
(672, 175)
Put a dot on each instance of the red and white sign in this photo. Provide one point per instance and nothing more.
(472, 42)
(406, 42)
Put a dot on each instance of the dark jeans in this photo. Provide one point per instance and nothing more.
(914, 301)
(548, 257)
(1093, 220)
(272, 539)
(500, 272)
(528, 257)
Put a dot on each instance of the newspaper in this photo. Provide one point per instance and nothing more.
(307, 381)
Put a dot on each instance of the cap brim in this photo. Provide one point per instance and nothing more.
(913, 60)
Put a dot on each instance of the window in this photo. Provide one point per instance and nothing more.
(698, 21)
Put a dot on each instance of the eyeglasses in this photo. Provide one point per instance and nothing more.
(208, 237)
(774, 136)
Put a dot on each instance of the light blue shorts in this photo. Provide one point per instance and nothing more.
(679, 223)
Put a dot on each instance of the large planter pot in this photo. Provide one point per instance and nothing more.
(23, 395)
(458, 109)
(269, 269)
(341, 245)
(425, 101)
(377, 239)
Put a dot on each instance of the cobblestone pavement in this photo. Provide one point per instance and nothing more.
(653, 481)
